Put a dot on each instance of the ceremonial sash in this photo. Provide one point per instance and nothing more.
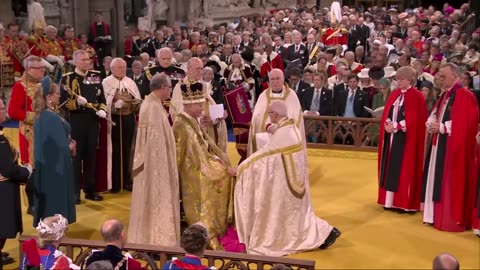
(313, 52)
(333, 34)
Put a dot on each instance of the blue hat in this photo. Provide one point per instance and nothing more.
(46, 83)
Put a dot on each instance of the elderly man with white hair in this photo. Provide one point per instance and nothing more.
(284, 221)
(165, 65)
(260, 121)
(123, 100)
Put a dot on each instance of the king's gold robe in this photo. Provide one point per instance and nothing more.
(155, 210)
(205, 183)
(273, 211)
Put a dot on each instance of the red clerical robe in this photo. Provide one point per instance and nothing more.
(274, 60)
(400, 154)
(476, 205)
(450, 173)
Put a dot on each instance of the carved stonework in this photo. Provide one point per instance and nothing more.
(50, 8)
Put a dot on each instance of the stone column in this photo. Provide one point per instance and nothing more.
(81, 16)
(6, 13)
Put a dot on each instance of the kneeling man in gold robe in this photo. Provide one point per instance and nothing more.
(282, 221)
(205, 181)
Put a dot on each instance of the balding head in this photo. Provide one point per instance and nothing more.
(279, 107)
(195, 68)
(113, 232)
(445, 261)
(276, 79)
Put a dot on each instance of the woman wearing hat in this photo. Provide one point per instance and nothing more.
(383, 87)
(401, 145)
(44, 254)
(53, 151)
(366, 85)
(434, 64)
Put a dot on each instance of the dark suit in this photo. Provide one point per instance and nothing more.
(360, 100)
(301, 54)
(306, 97)
(224, 58)
(111, 253)
(301, 85)
(216, 92)
(142, 88)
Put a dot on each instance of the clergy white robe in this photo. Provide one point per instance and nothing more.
(155, 209)
(260, 115)
(110, 87)
(273, 211)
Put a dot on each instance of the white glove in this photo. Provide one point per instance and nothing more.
(246, 86)
(48, 65)
(102, 114)
(81, 100)
(60, 61)
(119, 104)
(108, 37)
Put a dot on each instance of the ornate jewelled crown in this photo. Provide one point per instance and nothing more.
(192, 93)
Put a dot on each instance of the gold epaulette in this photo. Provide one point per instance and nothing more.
(32, 39)
(94, 71)
(148, 74)
(344, 31)
(67, 74)
(324, 30)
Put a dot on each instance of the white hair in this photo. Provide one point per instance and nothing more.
(117, 60)
(279, 107)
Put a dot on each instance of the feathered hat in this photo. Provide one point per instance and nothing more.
(335, 12)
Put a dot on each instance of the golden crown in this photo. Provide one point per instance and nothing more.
(192, 93)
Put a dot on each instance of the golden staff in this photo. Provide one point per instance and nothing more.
(88, 105)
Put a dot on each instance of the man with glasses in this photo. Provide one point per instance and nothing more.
(123, 100)
(20, 109)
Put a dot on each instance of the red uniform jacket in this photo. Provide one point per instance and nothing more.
(337, 36)
(275, 62)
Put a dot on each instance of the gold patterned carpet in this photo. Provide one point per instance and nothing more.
(344, 192)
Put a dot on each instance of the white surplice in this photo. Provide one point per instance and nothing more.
(273, 211)
(260, 114)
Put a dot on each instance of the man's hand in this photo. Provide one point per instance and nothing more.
(81, 100)
(102, 114)
(119, 104)
(73, 147)
(389, 127)
(225, 114)
(433, 127)
(233, 171)
(205, 121)
(478, 138)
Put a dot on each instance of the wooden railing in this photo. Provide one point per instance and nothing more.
(79, 249)
(342, 133)
(470, 24)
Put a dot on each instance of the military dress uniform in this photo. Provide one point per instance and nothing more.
(55, 48)
(85, 124)
(175, 73)
(69, 46)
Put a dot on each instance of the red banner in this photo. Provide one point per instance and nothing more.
(241, 114)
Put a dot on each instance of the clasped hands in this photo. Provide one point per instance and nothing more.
(433, 127)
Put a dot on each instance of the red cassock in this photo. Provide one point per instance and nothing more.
(453, 209)
(267, 66)
(334, 36)
(476, 205)
(400, 162)
(20, 109)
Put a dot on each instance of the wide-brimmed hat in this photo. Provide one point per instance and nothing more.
(376, 73)
(213, 63)
(364, 73)
(389, 71)
(454, 54)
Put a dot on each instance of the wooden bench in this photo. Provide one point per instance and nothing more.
(78, 250)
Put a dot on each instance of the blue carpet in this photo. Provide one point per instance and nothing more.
(10, 124)
(231, 137)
